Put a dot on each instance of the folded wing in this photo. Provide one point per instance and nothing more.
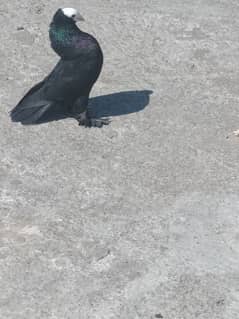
(51, 97)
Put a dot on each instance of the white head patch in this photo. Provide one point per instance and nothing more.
(69, 12)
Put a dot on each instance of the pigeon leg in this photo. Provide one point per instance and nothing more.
(81, 118)
(81, 114)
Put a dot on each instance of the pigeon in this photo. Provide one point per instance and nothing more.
(65, 91)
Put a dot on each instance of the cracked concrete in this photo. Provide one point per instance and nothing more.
(138, 219)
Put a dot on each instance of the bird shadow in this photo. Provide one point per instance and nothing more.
(120, 103)
(109, 105)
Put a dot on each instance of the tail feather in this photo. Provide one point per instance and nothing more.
(29, 115)
(33, 107)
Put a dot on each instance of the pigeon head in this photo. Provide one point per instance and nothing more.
(67, 15)
(64, 33)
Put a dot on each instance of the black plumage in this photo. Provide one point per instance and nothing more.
(65, 91)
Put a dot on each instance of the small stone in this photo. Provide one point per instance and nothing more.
(39, 10)
(113, 134)
(104, 255)
(158, 315)
(220, 302)
(20, 28)
(236, 133)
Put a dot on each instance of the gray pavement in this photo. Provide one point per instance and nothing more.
(139, 219)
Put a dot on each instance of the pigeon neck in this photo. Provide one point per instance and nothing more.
(62, 33)
(61, 37)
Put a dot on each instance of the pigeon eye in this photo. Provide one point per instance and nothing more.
(73, 15)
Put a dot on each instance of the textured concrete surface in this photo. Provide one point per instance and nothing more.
(139, 219)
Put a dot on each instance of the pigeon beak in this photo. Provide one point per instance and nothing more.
(79, 17)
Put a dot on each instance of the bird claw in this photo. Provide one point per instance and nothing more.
(99, 122)
(90, 122)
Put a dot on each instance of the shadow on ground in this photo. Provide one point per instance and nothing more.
(114, 104)
(119, 103)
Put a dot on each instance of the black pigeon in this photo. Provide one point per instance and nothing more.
(65, 91)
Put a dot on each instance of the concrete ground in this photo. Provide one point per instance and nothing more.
(139, 219)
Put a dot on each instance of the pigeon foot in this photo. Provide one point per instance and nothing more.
(90, 122)
(84, 119)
